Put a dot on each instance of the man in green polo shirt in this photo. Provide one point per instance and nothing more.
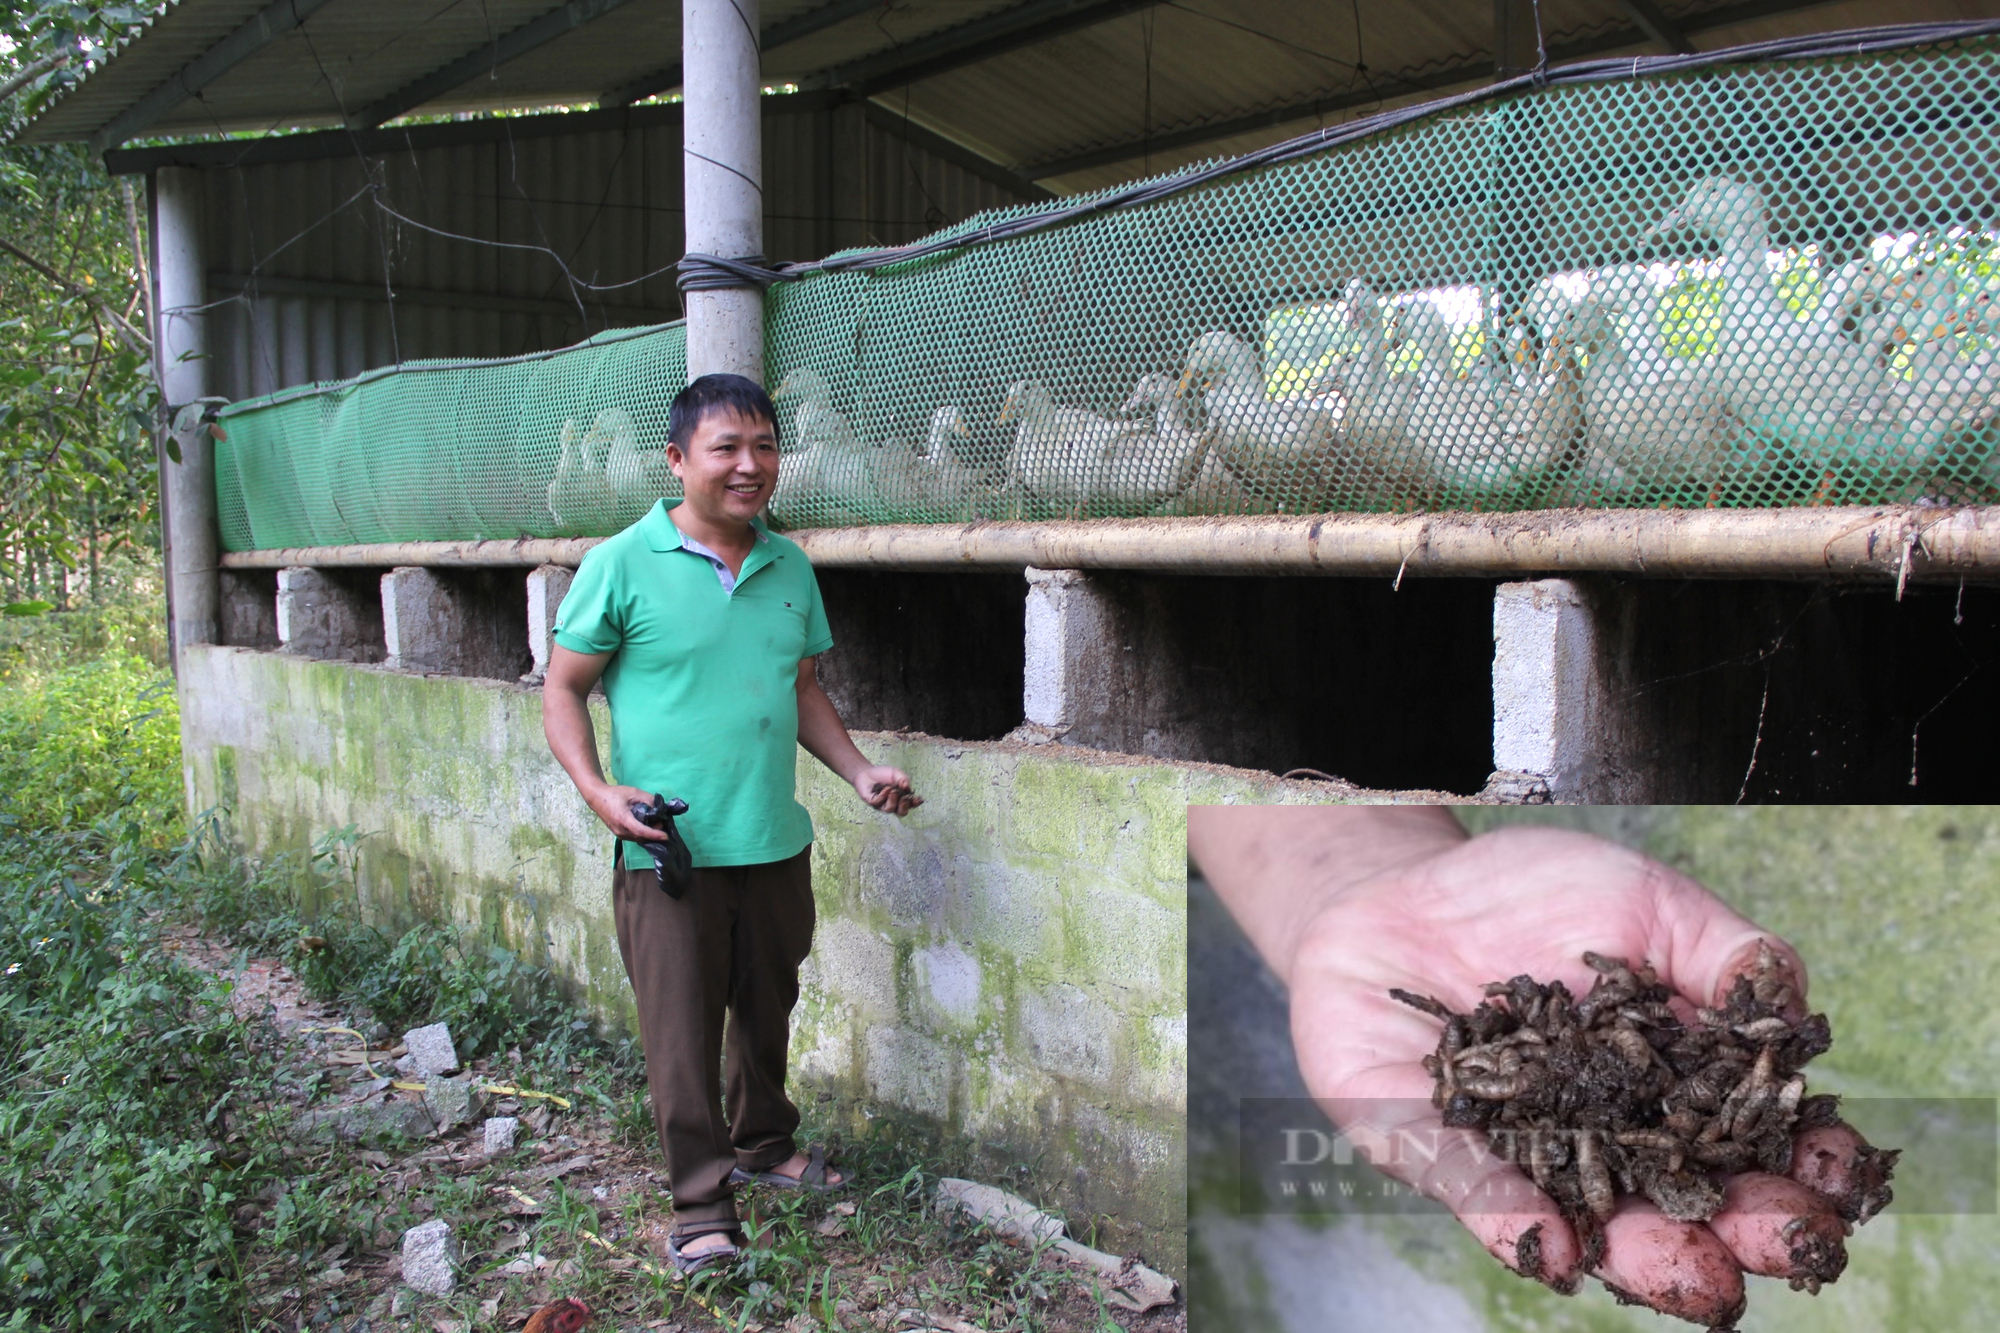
(705, 627)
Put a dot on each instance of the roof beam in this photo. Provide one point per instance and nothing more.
(1658, 26)
(982, 39)
(1471, 71)
(509, 46)
(778, 34)
(267, 26)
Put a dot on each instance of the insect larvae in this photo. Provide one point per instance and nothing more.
(1495, 1087)
(1764, 1029)
(1638, 1052)
(1669, 1144)
(1593, 1176)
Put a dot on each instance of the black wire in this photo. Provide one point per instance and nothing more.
(1258, 32)
(1818, 46)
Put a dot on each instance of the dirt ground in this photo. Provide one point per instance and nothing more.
(576, 1207)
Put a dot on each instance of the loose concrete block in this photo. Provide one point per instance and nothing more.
(453, 1101)
(430, 1258)
(547, 586)
(249, 608)
(1548, 700)
(329, 614)
(367, 1122)
(499, 1134)
(1073, 653)
(453, 622)
(431, 1051)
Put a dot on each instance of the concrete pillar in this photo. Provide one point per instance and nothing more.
(547, 586)
(249, 615)
(187, 487)
(329, 614)
(453, 622)
(1074, 654)
(723, 168)
(1549, 704)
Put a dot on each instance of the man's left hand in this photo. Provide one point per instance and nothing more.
(887, 789)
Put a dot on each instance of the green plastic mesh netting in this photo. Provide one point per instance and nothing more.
(1750, 283)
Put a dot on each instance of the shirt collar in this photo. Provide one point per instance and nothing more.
(662, 535)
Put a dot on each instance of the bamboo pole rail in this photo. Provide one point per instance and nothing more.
(1896, 543)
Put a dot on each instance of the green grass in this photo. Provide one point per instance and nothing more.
(147, 1178)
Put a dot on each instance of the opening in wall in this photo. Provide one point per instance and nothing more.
(937, 653)
(1384, 688)
(1793, 692)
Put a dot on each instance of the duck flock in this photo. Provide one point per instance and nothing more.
(1884, 385)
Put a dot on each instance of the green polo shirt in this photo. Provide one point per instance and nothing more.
(703, 684)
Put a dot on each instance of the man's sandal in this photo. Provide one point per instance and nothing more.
(812, 1178)
(687, 1265)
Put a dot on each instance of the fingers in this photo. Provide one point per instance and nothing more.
(1779, 1228)
(1838, 1163)
(1517, 1223)
(1703, 945)
(1678, 1268)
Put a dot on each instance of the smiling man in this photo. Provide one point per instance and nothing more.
(705, 628)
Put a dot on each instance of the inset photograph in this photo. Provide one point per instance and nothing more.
(1463, 1071)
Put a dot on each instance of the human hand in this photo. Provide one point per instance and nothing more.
(887, 789)
(613, 805)
(1532, 901)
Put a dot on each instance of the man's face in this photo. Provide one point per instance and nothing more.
(728, 467)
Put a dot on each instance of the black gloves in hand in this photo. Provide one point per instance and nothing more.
(672, 861)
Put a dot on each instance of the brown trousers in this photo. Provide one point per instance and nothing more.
(733, 944)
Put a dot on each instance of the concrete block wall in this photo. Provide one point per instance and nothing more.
(1007, 963)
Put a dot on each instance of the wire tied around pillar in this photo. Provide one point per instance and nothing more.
(712, 273)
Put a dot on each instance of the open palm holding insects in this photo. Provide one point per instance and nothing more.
(1461, 914)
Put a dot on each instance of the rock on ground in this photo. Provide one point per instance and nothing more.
(453, 1101)
(430, 1254)
(366, 1122)
(431, 1051)
(500, 1131)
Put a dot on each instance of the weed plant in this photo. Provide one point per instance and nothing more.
(147, 1178)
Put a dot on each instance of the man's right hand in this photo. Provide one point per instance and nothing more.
(613, 805)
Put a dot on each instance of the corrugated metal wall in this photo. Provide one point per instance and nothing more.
(303, 255)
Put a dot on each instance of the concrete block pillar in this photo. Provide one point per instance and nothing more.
(1073, 654)
(723, 167)
(329, 614)
(547, 586)
(453, 622)
(187, 487)
(1549, 701)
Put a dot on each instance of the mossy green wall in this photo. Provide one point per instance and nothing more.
(1008, 963)
(1894, 912)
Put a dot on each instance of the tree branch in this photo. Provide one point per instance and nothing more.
(33, 70)
(130, 336)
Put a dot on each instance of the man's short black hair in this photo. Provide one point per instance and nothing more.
(711, 393)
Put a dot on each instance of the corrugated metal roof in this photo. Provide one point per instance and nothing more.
(1101, 90)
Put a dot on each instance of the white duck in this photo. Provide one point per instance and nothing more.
(1056, 451)
(1286, 450)
(825, 470)
(1475, 431)
(1375, 402)
(1652, 419)
(638, 475)
(1790, 378)
(1143, 470)
(580, 495)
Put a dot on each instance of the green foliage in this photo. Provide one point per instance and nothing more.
(76, 391)
(124, 1073)
(95, 741)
